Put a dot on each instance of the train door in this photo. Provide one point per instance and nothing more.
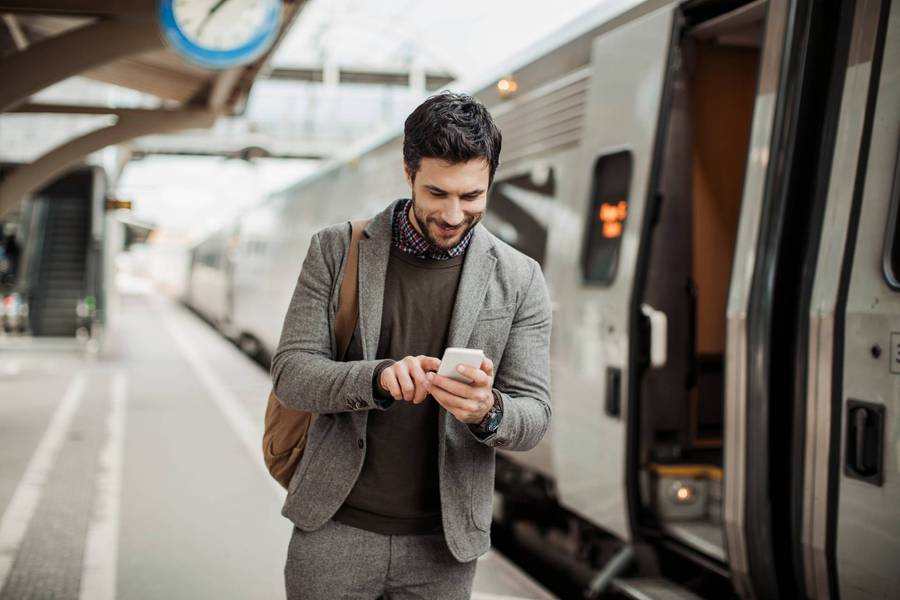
(851, 488)
(691, 298)
(593, 279)
(680, 396)
(719, 290)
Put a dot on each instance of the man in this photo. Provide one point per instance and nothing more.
(393, 494)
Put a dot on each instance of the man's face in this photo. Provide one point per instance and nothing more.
(448, 199)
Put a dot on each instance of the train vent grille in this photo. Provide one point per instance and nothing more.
(550, 118)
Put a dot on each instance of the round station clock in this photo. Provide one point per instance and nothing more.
(220, 34)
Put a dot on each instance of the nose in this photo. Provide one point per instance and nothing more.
(453, 214)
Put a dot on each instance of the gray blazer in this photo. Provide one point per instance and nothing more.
(502, 306)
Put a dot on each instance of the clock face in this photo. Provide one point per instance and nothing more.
(220, 34)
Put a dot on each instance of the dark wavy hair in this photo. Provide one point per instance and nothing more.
(452, 127)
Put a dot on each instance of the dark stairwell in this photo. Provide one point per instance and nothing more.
(60, 280)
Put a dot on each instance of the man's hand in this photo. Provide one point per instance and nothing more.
(405, 379)
(468, 402)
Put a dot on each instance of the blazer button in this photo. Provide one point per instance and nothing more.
(360, 442)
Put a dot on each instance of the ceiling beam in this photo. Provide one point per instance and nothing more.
(15, 32)
(434, 80)
(122, 9)
(78, 109)
(31, 177)
(54, 59)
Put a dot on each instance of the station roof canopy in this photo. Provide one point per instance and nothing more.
(44, 42)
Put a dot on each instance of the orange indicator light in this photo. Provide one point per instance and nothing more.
(612, 216)
(612, 229)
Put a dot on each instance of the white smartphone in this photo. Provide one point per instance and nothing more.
(453, 357)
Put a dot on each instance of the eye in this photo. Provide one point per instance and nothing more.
(438, 194)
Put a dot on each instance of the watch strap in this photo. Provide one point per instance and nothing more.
(497, 408)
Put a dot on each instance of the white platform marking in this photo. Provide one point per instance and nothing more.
(28, 493)
(220, 395)
(98, 577)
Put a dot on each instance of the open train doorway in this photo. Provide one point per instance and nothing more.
(684, 301)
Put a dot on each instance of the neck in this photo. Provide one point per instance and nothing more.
(414, 222)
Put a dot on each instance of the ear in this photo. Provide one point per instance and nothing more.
(407, 175)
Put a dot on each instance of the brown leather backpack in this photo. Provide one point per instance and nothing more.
(286, 430)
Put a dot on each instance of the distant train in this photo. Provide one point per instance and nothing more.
(712, 190)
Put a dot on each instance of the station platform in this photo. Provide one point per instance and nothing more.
(135, 471)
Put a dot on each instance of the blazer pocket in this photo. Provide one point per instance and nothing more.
(492, 313)
(312, 447)
(482, 501)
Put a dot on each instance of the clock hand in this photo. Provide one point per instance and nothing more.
(209, 15)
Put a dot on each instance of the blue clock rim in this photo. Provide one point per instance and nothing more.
(219, 58)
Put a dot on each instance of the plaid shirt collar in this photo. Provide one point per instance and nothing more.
(406, 238)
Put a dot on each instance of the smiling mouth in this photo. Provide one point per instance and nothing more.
(449, 231)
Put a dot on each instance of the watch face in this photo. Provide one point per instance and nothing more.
(493, 420)
(220, 33)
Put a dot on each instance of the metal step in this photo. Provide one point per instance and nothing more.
(66, 238)
(54, 318)
(67, 243)
(57, 299)
(67, 303)
(651, 588)
(64, 267)
(61, 307)
(65, 260)
(62, 315)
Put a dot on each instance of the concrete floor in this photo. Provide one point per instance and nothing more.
(135, 472)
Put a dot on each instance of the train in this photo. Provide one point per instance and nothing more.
(711, 188)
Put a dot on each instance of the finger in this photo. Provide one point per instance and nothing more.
(406, 383)
(455, 404)
(418, 376)
(478, 377)
(458, 388)
(439, 397)
(393, 386)
(429, 363)
(487, 365)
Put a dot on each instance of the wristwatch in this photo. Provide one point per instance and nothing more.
(491, 421)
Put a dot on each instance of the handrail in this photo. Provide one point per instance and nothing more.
(34, 246)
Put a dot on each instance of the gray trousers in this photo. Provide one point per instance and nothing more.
(340, 561)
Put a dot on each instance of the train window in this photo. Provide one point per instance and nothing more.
(891, 255)
(519, 208)
(608, 210)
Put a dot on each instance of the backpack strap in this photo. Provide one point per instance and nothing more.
(348, 297)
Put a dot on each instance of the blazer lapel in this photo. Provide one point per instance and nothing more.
(473, 281)
(476, 272)
(374, 251)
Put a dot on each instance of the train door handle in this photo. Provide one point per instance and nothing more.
(613, 404)
(659, 324)
(860, 417)
(864, 444)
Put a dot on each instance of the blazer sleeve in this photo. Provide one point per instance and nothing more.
(304, 375)
(523, 376)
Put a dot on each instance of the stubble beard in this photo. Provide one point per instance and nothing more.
(422, 222)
